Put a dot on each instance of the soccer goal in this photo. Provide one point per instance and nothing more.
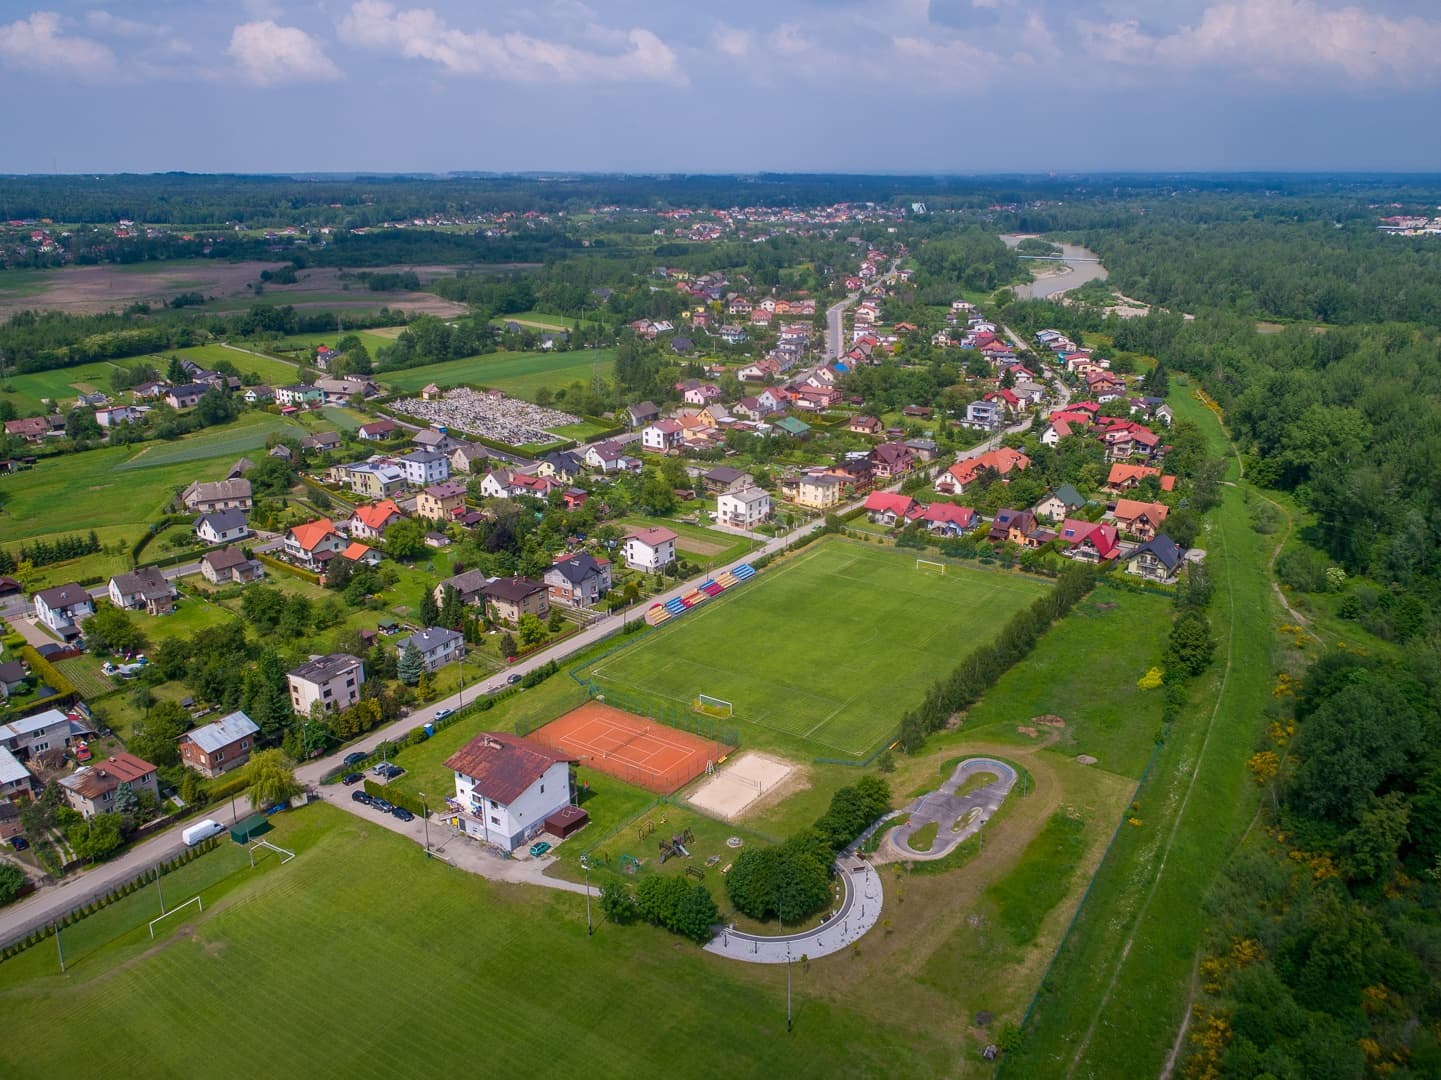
(712, 706)
(193, 900)
(931, 567)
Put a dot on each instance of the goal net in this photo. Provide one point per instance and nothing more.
(930, 567)
(712, 706)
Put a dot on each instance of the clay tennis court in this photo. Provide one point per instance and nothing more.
(632, 748)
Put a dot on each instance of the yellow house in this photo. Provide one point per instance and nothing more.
(440, 501)
(819, 492)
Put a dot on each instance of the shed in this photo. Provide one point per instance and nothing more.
(566, 820)
(247, 829)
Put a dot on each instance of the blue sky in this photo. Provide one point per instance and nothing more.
(814, 85)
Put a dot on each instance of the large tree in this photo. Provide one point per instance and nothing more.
(270, 778)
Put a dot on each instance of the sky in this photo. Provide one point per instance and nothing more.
(937, 86)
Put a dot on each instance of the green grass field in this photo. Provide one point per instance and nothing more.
(388, 991)
(827, 649)
(696, 542)
(248, 432)
(1085, 671)
(518, 374)
(27, 391)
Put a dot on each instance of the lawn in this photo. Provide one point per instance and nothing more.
(248, 432)
(27, 391)
(1085, 671)
(446, 945)
(826, 650)
(518, 374)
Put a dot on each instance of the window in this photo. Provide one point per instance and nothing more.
(542, 789)
(494, 820)
(219, 755)
(244, 744)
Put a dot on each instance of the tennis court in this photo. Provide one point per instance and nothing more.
(636, 749)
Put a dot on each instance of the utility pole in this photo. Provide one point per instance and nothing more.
(425, 821)
(60, 947)
(589, 926)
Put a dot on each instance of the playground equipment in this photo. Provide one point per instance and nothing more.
(629, 864)
(696, 872)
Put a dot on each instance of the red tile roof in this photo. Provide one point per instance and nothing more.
(503, 766)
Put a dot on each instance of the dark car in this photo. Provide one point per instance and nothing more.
(361, 797)
(383, 805)
(354, 756)
(390, 772)
(512, 679)
(351, 778)
(402, 813)
(19, 843)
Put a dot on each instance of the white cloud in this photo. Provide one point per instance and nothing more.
(271, 55)
(731, 41)
(40, 44)
(421, 34)
(1276, 39)
(118, 26)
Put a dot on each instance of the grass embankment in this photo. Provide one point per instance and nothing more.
(1118, 990)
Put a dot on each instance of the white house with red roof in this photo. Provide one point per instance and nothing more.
(649, 548)
(506, 786)
(661, 436)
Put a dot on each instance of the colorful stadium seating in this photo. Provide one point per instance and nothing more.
(679, 605)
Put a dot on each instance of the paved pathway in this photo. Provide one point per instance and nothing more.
(859, 911)
(959, 817)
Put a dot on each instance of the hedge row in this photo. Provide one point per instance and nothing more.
(280, 564)
(394, 796)
(47, 673)
(70, 918)
(152, 532)
(980, 670)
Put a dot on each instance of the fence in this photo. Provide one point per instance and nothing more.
(97, 899)
(669, 713)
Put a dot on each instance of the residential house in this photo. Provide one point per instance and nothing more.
(313, 544)
(948, 519)
(1060, 504)
(865, 425)
(469, 458)
(925, 450)
(219, 746)
(27, 736)
(1124, 477)
(890, 508)
(695, 392)
(438, 646)
(606, 457)
(963, 474)
(230, 566)
(63, 608)
(439, 502)
(789, 425)
(1157, 560)
(578, 580)
(649, 548)
(424, 467)
(563, 466)
(469, 585)
(435, 441)
(333, 680)
(372, 519)
(222, 527)
(512, 597)
(254, 395)
(663, 435)
(91, 789)
(497, 484)
(116, 415)
(32, 429)
(15, 779)
(1142, 520)
(641, 414)
(322, 442)
(357, 552)
(343, 391)
(1000, 531)
(146, 589)
(818, 492)
(1099, 544)
(724, 478)
(892, 460)
(378, 430)
(13, 677)
(743, 508)
(300, 395)
(203, 497)
(186, 396)
(506, 786)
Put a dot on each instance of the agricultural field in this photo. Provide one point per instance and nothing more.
(518, 374)
(118, 490)
(29, 391)
(824, 651)
(537, 320)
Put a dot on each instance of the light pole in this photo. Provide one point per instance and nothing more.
(425, 821)
(589, 926)
(780, 920)
(159, 888)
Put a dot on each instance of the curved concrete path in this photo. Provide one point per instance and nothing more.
(958, 816)
(859, 911)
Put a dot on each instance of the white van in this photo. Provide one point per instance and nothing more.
(201, 830)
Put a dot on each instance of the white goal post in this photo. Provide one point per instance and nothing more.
(193, 900)
(927, 564)
(713, 706)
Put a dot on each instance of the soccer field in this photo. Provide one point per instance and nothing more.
(830, 647)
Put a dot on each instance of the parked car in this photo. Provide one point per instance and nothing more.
(385, 806)
(19, 843)
(361, 797)
(441, 714)
(539, 848)
(351, 778)
(354, 756)
(390, 772)
(402, 813)
(512, 679)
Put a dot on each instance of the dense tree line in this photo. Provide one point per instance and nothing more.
(43, 552)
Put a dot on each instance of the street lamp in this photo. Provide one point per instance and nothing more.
(589, 926)
(425, 821)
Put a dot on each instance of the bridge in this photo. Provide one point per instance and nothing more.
(1058, 258)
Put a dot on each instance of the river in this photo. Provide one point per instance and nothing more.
(1075, 272)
